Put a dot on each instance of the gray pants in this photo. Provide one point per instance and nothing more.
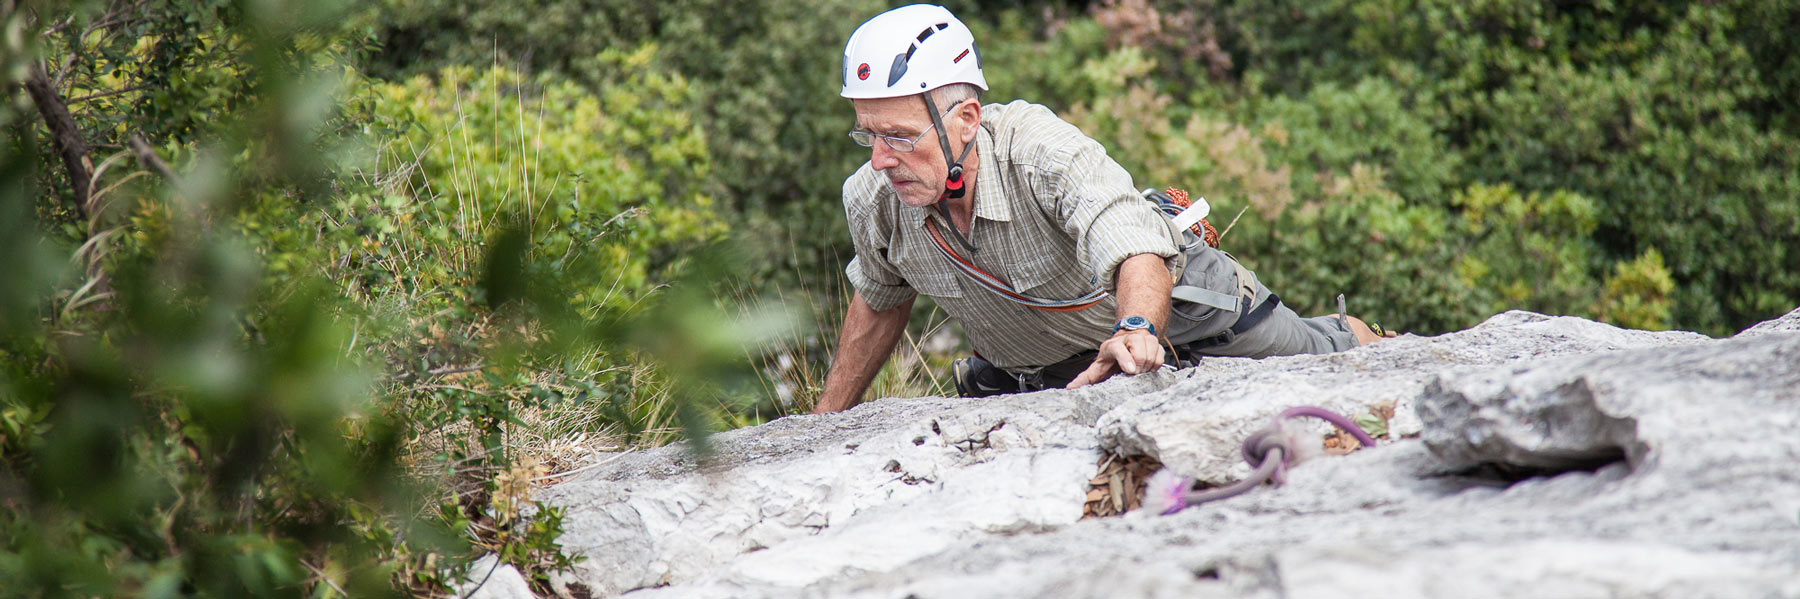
(1216, 275)
(1281, 333)
(1284, 333)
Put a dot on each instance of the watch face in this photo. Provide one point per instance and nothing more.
(1135, 322)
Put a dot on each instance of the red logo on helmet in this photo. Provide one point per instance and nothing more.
(862, 72)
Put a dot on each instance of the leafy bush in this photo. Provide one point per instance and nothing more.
(1665, 114)
(285, 362)
(1320, 216)
(171, 423)
(608, 180)
(764, 77)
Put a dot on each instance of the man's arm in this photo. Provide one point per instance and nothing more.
(1143, 290)
(864, 345)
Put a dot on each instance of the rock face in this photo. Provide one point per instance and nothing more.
(1789, 323)
(490, 579)
(1535, 456)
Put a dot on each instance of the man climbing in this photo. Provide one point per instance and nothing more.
(1022, 228)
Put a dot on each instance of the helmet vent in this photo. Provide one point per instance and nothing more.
(899, 68)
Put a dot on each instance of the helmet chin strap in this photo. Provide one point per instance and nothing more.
(953, 180)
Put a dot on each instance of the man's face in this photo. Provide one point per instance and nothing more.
(917, 176)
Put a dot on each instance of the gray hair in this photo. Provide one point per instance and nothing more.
(953, 93)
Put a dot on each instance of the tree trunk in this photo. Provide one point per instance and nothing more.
(65, 136)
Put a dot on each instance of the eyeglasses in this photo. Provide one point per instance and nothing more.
(899, 144)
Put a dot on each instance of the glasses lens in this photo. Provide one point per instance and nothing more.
(899, 144)
(863, 138)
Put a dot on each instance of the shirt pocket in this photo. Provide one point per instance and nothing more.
(927, 270)
(1049, 277)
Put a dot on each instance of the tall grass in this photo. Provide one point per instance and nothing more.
(794, 368)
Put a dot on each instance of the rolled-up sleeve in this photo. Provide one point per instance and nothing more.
(1099, 207)
(877, 282)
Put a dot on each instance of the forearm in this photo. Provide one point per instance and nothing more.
(867, 339)
(1143, 289)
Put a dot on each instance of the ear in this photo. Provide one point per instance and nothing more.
(970, 117)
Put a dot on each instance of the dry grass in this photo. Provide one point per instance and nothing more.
(794, 368)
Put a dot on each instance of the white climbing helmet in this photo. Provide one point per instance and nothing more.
(910, 50)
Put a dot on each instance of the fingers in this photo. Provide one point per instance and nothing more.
(1151, 356)
(1137, 352)
(1130, 353)
(1096, 372)
(1118, 350)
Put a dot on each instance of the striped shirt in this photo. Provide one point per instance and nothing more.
(1054, 218)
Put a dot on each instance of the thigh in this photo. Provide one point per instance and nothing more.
(1285, 333)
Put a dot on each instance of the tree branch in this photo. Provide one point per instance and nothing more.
(64, 134)
(115, 92)
(148, 159)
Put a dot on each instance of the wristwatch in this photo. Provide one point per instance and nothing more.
(1134, 323)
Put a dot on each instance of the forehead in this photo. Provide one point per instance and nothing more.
(891, 114)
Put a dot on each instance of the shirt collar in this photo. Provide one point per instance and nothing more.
(990, 191)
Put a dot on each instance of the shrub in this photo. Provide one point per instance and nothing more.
(1664, 114)
(764, 75)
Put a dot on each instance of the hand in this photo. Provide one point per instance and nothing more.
(1131, 351)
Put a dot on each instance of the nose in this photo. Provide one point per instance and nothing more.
(883, 157)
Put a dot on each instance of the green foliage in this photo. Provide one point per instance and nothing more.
(276, 349)
(179, 72)
(1321, 217)
(204, 434)
(1529, 251)
(1660, 118)
(763, 73)
(1670, 116)
(602, 180)
(1061, 70)
(1333, 128)
(1637, 293)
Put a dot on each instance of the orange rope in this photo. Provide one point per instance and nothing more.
(1203, 228)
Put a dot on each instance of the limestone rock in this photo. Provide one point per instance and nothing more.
(1556, 456)
(809, 497)
(1196, 425)
(1788, 323)
(490, 579)
(1540, 568)
(1582, 412)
